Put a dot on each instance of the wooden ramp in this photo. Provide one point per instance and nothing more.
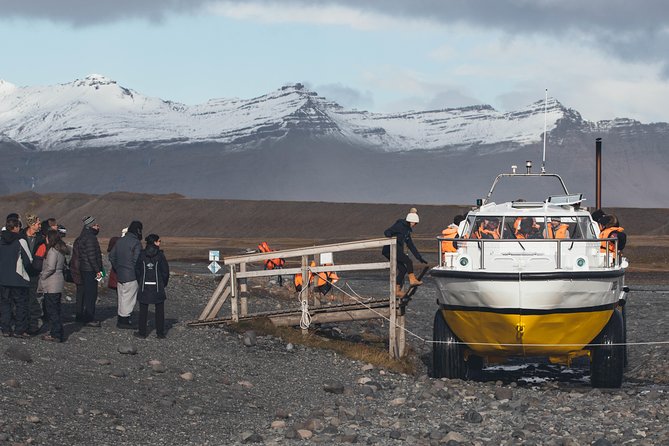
(372, 309)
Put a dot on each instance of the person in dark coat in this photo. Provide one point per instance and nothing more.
(153, 274)
(402, 229)
(15, 260)
(123, 258)
(89, 259)
(32, 233)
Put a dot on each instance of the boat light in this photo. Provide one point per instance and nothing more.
(464, 261)
(580, 262)
(528, 164)
(513, 168)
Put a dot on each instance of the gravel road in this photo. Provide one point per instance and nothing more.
(211, 386)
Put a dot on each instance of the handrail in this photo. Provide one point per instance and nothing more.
(558, 242)
(502, 175)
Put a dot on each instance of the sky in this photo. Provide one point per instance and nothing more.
(604, 58)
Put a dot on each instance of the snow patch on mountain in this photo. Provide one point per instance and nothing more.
(97, 112)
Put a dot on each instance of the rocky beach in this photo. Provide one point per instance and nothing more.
(212, 385)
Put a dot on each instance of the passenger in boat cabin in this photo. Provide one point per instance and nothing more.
(488, 229)
(528, 229)
(556, 229)
(612, 229)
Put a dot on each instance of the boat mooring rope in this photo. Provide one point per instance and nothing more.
(355, 296)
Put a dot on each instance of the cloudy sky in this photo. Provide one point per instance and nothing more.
(605, 58)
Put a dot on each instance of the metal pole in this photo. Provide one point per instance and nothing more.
(598, 173)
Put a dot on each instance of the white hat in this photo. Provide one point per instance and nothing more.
(123, 232)
(412, 217)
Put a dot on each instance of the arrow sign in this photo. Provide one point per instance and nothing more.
(214, 267)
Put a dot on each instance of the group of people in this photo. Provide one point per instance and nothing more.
(35, 263)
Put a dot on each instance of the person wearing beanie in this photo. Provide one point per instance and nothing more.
(402, 229)
(153, 274)
(86, 266)
(123, 257)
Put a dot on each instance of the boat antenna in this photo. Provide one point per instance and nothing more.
(543, 160)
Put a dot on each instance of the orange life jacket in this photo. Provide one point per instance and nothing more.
(270, 263)
(297, 278)
(606, 233)
(482, 231)
(326, 277)
(450, 232)
(560, 232)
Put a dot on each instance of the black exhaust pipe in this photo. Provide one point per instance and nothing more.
(598, 173)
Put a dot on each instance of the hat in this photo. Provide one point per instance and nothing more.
(31, 219)
(62, 231)
(123, 232)
(412, 217)
(88, 221)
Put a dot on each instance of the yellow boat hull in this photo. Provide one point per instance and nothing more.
(490, 333)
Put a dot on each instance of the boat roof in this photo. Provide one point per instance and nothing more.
(516, 208)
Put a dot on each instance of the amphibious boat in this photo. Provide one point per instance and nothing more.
(555, 290)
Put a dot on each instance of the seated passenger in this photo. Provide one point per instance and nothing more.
(555, 229)
(451, 232)
(528, 229)
(488, 229)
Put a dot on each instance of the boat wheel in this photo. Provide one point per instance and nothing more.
(607, 362)
(448, 358)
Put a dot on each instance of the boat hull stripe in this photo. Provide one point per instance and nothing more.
(528, 276)
(527, 311)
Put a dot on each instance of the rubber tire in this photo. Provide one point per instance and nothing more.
(448, 356)
(607, 363)
(474, 368)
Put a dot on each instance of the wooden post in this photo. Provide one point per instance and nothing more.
(304, 294)
(392, 332)
(243, 291)
(234, 293)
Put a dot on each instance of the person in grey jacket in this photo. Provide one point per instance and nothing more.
(52, 282)
(123, 258)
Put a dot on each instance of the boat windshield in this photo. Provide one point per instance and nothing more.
(524, 227)
(532, 188)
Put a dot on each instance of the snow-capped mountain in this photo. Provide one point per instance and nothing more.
(97, 112)
(95, 136)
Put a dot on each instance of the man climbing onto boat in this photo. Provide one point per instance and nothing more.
(402, 229)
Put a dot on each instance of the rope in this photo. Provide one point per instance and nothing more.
(305, 319)
(430, 341)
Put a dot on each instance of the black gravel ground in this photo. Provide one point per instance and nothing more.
(209, 385)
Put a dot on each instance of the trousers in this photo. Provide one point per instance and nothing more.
(127, 297)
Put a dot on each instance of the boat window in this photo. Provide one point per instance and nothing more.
(485, 227)
(523, 227)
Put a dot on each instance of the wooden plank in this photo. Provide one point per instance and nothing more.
(233, 288)
(401, 335)
(214, 297)
(219, 304)
(293, 271)
(392, 339)
(297, 252)
(327, 317)
(243, 293)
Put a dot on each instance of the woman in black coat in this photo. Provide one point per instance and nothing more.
(153, 273)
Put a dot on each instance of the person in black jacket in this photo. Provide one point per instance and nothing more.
(32, 233)
(14, 280)
(153, 273)
(402, 230)
(89, 259)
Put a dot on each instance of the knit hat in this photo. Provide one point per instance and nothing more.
(31, 219)
(88, 221)
(412, 217)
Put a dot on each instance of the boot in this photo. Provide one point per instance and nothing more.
(398, 292)
(124, 323)
(413, 281)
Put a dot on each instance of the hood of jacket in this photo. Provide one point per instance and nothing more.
(8, 237)
(152, 251)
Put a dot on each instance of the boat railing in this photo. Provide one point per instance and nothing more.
(530, 254)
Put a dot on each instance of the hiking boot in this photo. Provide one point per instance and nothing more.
(139, 335)
(50, 338)
(95, 324)
(413, 281)
(398, 292)
(124, 323)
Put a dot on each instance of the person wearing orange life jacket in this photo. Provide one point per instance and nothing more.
(272, 263)
(556, 229)
(488, 229)
(611, 229)
(527, 230)
(324, 279)
(298, 281)
(451, 232)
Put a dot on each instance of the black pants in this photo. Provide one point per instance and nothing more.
(14, 302)
(160, 318)
(404, 264)
(52, 306)
(79, 303)
(90, 295)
